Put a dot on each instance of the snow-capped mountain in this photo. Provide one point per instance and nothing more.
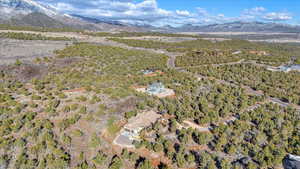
(32, 13)
(12, 8)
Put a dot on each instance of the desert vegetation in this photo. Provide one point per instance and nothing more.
(69, 108)
(275, 84)
(139, 34)
(197, 52)
(37, 29)
(31, 36)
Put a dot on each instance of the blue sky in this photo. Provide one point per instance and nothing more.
(178, 12)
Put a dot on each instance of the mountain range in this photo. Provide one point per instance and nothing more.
(241, 27)
(31, 13)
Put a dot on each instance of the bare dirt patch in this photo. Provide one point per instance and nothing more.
(29, 70)
(126, 105)
(25, 72)
(62, 62)
(11, 49)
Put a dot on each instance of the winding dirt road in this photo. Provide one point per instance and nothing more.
(171, 63)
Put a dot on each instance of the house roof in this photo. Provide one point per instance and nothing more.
(155, 88)
(291, 161)
(142, 120)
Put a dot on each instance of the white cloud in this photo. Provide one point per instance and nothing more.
(202, 11)
(259, 9)
(221, 15)
(273, 16)
(183, 13)
(254, 11)
(148, 12)
(64, 7)
(145, 11)
(260, 13)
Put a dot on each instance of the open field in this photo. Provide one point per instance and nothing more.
(253, 36)
(162, 39)
(11, 49)
(237, 33)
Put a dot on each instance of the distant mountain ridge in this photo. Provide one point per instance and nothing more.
(31, 13)
(94, 20)
(241, 27)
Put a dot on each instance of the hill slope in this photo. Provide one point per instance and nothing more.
(31, 13)
(37, 19)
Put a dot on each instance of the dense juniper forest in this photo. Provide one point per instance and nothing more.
(229, 112)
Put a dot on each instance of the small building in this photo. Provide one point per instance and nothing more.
(131, 131)
(286, 68)
(291, 162)
(141, 121)
(148, 71)
(259, 53)
(155, 88)
(236, 52)
(75, 92)
(151, 72)
(291, 68)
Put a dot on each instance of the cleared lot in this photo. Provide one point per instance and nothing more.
(11, 49)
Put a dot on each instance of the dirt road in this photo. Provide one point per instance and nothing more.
(10, 50)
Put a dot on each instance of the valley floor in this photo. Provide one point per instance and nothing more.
(72, 105)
